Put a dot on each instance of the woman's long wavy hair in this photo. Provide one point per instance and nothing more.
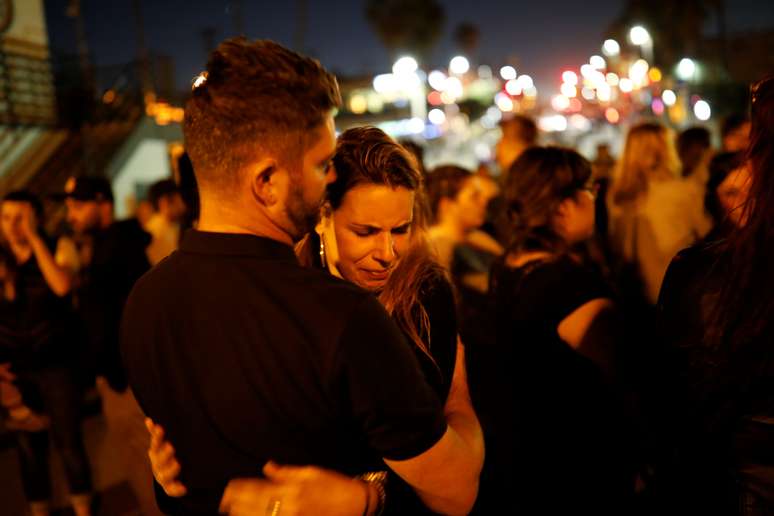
(538, 181)
(743, 311)
(649, 155)
(366, 155)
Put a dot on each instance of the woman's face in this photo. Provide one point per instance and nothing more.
(372, 228)
(733, 192)
(12, 218)
(575, 222)
(471, 204)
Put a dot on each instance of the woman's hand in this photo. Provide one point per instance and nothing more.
(29, 224)
(297, 490)
(166, 469)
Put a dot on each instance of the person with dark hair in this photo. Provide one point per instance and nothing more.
(110, 258)
(519, 133)
(725, 397)
(735, 133)
(37, 339)
(694, 150)
(554, 332)
(457, 206)
(314, 362)
(188, 191)
(164, 224)
(727, 190)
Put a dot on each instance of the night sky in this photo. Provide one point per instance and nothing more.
(544, 36)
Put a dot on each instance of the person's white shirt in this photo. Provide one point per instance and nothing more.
(166, 236)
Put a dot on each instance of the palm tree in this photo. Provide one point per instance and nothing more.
(406, 25)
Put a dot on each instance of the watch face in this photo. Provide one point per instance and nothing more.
(6, 13)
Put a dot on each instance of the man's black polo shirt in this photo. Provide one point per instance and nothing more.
(244, 356)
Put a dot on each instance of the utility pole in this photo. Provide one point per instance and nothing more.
(302, 15)
(237, 17)
(208, 40)
(143, 58)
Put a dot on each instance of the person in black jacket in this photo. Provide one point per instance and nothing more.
(112, 257)
(36, 343)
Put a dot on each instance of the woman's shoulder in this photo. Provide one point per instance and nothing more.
(436, 287)
(551, 276)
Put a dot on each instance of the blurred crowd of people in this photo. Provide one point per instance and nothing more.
(603, 328)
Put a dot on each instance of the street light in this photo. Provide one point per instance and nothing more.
(669, 97)
(611, 48)
(686, 68)
(702, 110)
(405, 65)
(640, 37)
(508, 73)
(459, 65)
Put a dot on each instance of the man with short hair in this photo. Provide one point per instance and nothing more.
(519, 134)
(244, 356)
(112, 256)
(735, 133)
(164, 224)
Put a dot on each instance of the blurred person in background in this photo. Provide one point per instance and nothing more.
(735, 133)
(519, 133)
(570, 446)
(112, 256)
(652, 213)
(189, 191)
(457, 205)
(716, 310)
(694, 150)
(38, 334)
(727, 190)
(164, 225)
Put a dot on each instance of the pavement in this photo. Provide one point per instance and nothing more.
(112, 491)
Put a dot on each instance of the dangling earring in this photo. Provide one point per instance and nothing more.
(323, 259)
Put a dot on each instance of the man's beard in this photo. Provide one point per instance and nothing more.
(302, 216)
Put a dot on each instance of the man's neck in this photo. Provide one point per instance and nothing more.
(214, 218)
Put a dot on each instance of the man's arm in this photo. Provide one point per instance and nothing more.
(446, 476)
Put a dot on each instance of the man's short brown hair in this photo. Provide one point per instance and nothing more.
(256, 96)
(520, 127)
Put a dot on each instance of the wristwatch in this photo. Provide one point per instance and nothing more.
(378, 479)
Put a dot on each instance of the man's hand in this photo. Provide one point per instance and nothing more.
(164, 464)
(296, 490)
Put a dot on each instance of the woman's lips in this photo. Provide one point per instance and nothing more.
(376, 275)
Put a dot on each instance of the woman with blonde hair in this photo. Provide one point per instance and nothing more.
(653, 214)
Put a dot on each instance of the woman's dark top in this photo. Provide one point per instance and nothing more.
(722, 400)
(437, 298)
(563, 444)
(36, 326)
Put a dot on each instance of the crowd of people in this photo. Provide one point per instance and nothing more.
(316, 324)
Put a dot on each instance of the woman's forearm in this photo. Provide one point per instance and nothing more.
(58, 279)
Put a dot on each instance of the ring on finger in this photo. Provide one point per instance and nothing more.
(273, 509)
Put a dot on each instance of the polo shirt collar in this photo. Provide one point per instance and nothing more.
(233, 244)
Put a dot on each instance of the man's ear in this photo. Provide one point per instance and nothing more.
(264, 182)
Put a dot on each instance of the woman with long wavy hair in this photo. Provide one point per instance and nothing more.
(653, 212)
(371, 233)
(556, 337)
(716, 309)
